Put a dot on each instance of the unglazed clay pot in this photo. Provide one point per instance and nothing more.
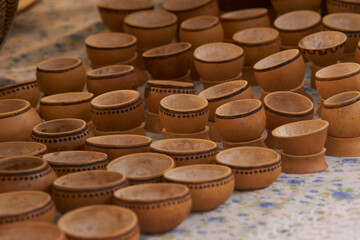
(258, 142)
(342, 147)
(335, 6)
(253, 167)
(22, 148)
(29, 91)
(284, 6)
(17, 118)
(160, 207)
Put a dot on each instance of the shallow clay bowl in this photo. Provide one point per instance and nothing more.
(210, 185)
(284, 6)
(187, 151)
(302, 138)
(253, 167)
(22, 148)
(29, 91)
(81, 189)
(100, 222)
(142, 167)
(159, 207)
(219, 61)
(118, 145)
(22, 206)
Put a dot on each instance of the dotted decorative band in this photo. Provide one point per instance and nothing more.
(16, 88)
(186, 114)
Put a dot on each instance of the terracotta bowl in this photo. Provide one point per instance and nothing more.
(302, 138)
(335, 6)
(118, 145)
(342, 147)
(235, 21)
(61, 74)
(184, 113)
(210, 185)
(17, 118)
(200, 30)
(280, 71)
(204, 134)
(67, 162)
(62, 134)
(211, 83)
(284, 6)
(152, 28)
(22, 206)
(29, 91)
(240, 120)
(258, 142)
(187, 151)
(139, 130)
(113, 12)
(118, 110)
(253, 167)
(225, 92)
(22, 148)
(257, 43)
(337, 78)
(100, 222)
(299, 89)
(219, 61)
(66, 105)
(142, 167)
(357, 53)
(160, 207)
(295, 25)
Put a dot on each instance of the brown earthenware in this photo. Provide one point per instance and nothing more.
(342, 147)
(284, 6)
(139, 130)
(204, 134)
(22, 148)
(335, 6)
(29, 91)
(258, 142)
(211, 83)
(300, 89)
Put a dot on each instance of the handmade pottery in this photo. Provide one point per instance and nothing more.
(258, 142)
(204, 134)
(21, 148)
(300, 89)
(152, 123)
(211, 83)
(139, 130)
(284, 6)
(29, 91)
(334, 6)
(159, 207)
(342, 147)
(137, 63)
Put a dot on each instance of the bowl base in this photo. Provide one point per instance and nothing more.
(342, 147)
(259, 142)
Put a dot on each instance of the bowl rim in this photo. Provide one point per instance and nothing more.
(225, 60)
(38, 152)
(36, 169)
(302, 46)
(232, 16)
(70, 67)
(18, 85)
(344, 103)
(98, 157)
(170, 84)
(294, 55)
(243, 86)
(135, 97)
(169, 8)
(304, 28)
(254, 110)
(322, 128)
(101, 6)
(39, 133)
(172, 22)
(343, 14)
(85, 98)
(23, 109)
(132, 41)
(147, 141)
(213, 22)
(254, 43)
(185, 47)
(123, 71)
(155, 146)
(355, 71)
(205, 103)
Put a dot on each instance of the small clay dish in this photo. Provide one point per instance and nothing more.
(240, 120)
(160, 207)
(187, 151)
(25, 173)
(62, 134)
(118, 145)
(139, 130)
(168, 61)
(81, 189)
(100, 222)
(66, 162)
(142, 167)
(225, 92)
(302, 138)
(342, 147)
(61, 74)
(284, 6)
(210, 185)
(204, 134)
(118, 110)
(295, 25)
(253, 167)
(258, 142)
(29, 91)
(184, 113)
(280, 71)
(335, 6)
(66, 105)
(219, 61)
(21, 148)
(22, 206)
(152, 123)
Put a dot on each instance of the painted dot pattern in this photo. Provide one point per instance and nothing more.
(27, 176)
(257, 171)
(18, 87)
(173, 114)
(61, 138)
(119, 110)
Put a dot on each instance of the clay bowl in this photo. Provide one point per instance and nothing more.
(66, 105)
(66, 162)
(240, 120)
(21, 148)
(235, 21)
(118, 110)
(139, 130)
(225, 92)
(257, 43)
(118, 145)
(348, 23)
(337, 78)
(335, 6)
(152, 28)
(357, 53)
(142, 167)
(204, 134)
(100, 222)
(62, 134)
(111, 78)
(284, 6)
(62, 74)
(342, 111)
(29, 91)
(168, 61)
(200, 30)
(295, 25)
(219, 61)
(302, 138)
(342, 147)
(211, 83)
(210, 185)
(160, 207)
(22, 206)
(323, 48)
(258, 142)
(299, 89)
(184, 113)
(17, 118)
(280, 71)
(253, 167)
(187, 151)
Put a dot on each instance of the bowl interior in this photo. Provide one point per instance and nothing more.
(337, 70)
(88, 179)
(183, 102)
(32, 231)
(14, 164)
(67, 97)
(74, 157)
(343, 21)
(288, 102)
(217, 52)
(238, 107)
(126, 4)
(167, 50)
(300, 128)
(150, 18)
(58, 63)
(60, 126)
(256, 35)
(297, 20)
(11, 105)
(223, 89)
(119, 97)
(199, 172)
(183, 145)
(22, 201)
(110, 40)
(119, 140)
(111, 70)
(247, 156)
(341, 98)
(276, 59)
(200, 22)
(8, 149)
(244, 13)
(321, 40)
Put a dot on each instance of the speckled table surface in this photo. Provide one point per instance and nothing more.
(324, 205)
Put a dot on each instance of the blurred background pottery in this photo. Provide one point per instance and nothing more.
(335, 6)
(284, 6)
